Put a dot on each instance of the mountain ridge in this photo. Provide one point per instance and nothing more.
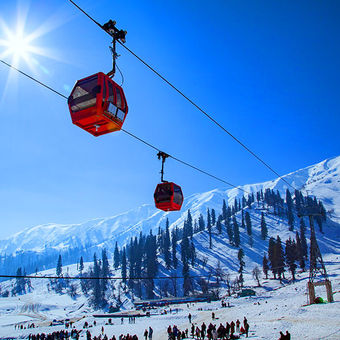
(321, 179)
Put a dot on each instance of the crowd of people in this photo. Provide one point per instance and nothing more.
(75, 334)
(58, 335)
(231, 330)
(212, 331)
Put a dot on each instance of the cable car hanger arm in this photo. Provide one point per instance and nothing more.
(111, 29)
(164, 156)
(117, 35)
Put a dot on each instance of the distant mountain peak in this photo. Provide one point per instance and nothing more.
(321, 180)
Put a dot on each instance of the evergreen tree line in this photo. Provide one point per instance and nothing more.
(140, 260)
(293, 255)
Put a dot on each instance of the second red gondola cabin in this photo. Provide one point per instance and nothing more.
(97, 104)
(168, 196)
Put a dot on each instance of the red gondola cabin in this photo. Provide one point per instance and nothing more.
(98, 105)
(168, 196)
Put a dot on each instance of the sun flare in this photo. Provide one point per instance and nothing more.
(18, 45)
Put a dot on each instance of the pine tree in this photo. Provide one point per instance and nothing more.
(187, 287)
(235, 205)
(213, 216)
(224, 210)
(97, 293)
(240, 256)
(229, 231)
(167, 253)
(105, 272)
(265, 266)
(303, 239)
(244, 202)
(291, 256)
(219, 224)
(19, 283)
(192, 253)
(59, 268)
(174, 248)
(196, 228)
(298, 202)
(138, 265)
(299, 252)
(290, 215)
(185, 250)
(131, 260)
(201, 223)
(151, 262)
(264, 230)
(279, 253)
(81, 265)
(236, 232)
(258, 197)
(188, 227)
(248, 223)
(209, 228)
(242, 221)
(124, 269)
(272, 256)
(26, 282)
(116, 257)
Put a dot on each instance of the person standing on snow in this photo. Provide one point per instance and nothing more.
(232, 328)
(246, 328)
(150, 333)
(238, 325)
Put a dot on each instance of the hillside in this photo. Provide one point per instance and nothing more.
(275, 307)
(321, 180)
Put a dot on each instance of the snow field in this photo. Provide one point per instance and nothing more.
(276, 307)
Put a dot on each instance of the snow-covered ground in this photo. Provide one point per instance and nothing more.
(276, 307)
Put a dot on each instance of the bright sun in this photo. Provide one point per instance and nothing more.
(18, 46)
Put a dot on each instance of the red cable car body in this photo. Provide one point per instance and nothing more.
(168, 196)
(97, 104)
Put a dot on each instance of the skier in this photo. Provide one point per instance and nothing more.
(146, 334)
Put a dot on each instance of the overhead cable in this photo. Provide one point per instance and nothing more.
(131, 134)
(98, 277)
(209, 116)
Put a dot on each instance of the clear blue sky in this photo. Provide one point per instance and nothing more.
(267, 70)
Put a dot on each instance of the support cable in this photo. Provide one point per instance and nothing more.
(131, 134)
(189, 100)
(98, 278)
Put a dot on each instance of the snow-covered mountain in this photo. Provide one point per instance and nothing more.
(276, 303)
(321, 180)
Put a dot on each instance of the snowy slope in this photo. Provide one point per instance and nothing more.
(276, 307)
(321, 180)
